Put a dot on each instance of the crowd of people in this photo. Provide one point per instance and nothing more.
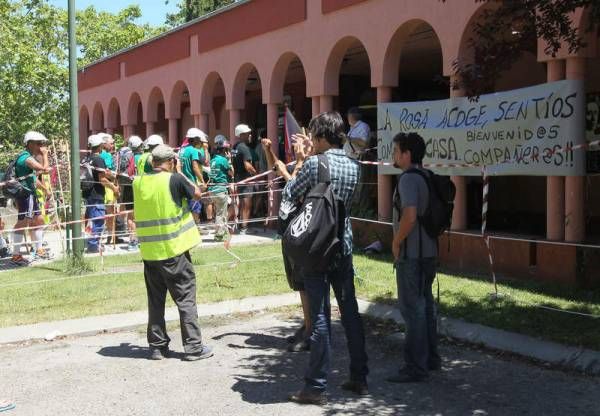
(164, 192)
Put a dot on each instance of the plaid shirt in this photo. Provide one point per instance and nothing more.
(344, 173)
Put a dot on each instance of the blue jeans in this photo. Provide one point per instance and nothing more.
(316, 285)
(95, 211)
(415, 278)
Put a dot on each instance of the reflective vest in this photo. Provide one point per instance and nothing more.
(141, 164)
(164, 229)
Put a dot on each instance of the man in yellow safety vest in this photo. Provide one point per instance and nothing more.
(166, 232)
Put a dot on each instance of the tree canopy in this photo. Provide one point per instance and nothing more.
(192, 9)
(34, 60)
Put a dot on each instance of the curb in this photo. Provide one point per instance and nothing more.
(579, 359)
(131, 320)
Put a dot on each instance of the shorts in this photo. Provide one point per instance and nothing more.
(294, 278)
(28, 207)
(246, 190)
(126, 196)
(195, 206)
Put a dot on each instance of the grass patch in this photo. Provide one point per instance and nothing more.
(45, 293)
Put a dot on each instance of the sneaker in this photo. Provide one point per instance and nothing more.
(157, 354)
(42, 254)
(206, 352)
(359, 387)
(300, 345)
(299, 334)
(132, 246)
(243, 231)
(19, 260)
(308, 397)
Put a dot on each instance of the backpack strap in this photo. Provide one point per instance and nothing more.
(323, 169)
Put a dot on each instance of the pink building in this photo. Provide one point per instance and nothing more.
(243, 62)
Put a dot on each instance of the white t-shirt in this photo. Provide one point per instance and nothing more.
(360, 131)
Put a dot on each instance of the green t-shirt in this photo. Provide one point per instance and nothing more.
(21, 169)
(108, 160)
(219, 173)
(187, 155)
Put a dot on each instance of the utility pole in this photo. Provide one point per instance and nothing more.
(75, 185)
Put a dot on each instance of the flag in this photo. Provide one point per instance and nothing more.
(290, 127)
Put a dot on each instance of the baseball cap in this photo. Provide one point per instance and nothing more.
(106, 137)
(34, 136)
(134, 142)
(197, 133)
(154, 140)
(221, 141)
(163, 152)
(95, 140)
(241, 129)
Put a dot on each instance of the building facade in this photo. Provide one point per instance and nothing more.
(244, 62)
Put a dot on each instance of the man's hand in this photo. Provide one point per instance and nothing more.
(266, 143)
(396, 250)
(116, 191)
(44, 150)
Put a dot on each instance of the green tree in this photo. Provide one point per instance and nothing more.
(511, 28)
(192, 9)
(34, 60)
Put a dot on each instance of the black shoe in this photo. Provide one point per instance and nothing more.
(298, 335)
(307, 397)
(159, 353)
(303, 345)
(405, 378)
(206, 352)
(358, 387)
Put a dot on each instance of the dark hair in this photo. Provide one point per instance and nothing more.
(412, 142)
(329, 126)
(355, 112)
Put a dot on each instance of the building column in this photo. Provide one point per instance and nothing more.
(459, 215)
(173, 132)
(575, 185)
(555, 185)
(201, 122)
(316, 106)
(110, 131)
(149, 128)
(127, 131)
(234, 119)
(325, 103)
(384, 182)
(272, 126)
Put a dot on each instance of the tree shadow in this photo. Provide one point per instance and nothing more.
(128, 350)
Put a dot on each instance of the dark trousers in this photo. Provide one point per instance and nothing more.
(177, 276)
(415, 278)
(316, 285)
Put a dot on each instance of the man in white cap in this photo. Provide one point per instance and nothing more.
(167, 233)
(243, 167)
(126, 168)
(29, 214)
(193, 157)
(94, 194)
(143, 162)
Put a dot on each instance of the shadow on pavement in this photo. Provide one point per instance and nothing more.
(127, 350)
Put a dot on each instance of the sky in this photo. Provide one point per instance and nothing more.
(153, 11)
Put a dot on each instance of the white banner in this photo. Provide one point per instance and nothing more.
(530, 131)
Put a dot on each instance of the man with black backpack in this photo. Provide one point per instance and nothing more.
(326, 183)
(423, 202)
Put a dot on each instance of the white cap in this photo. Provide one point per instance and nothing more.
(95, 140)
(134, 142)
(106, 137)
(197, 133)
(154, 140)
(34, 136)
(241, 129)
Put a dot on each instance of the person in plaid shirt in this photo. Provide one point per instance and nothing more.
(327, 131)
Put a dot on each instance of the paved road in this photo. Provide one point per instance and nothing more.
(251, 375)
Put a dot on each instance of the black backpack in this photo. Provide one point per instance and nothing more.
(438, 215)
(13, 188)
(315, 236)
(86, 176)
